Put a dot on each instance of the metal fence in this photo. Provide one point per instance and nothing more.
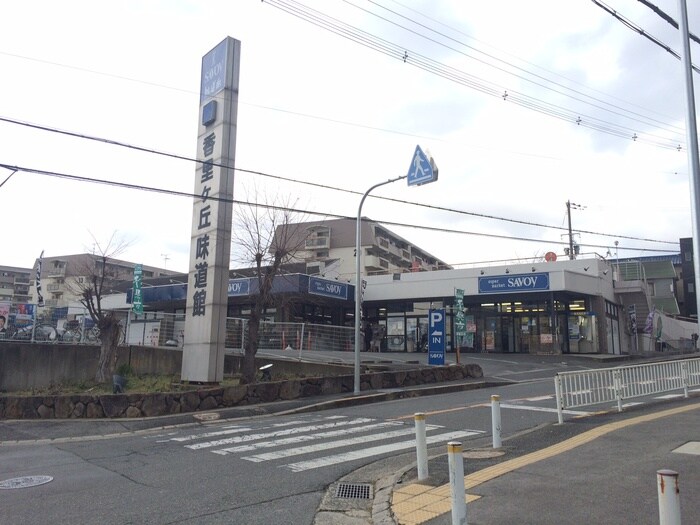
(74, 325)
(592, 387)
(26, 322)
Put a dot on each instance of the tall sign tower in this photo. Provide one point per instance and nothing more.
(210, 245)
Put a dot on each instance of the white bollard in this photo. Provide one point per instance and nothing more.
(669, 497)
(456, 467)
(496, 420)
(421, 446)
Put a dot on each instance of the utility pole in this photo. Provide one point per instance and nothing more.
(692, 134)
(569, 204)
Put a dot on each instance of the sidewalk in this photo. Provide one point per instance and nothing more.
(599, 469)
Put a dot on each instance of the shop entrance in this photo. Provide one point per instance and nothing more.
(498, 334)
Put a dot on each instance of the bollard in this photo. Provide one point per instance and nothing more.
(456, 467)
(669, 497)
(421, 446)
(496, 420)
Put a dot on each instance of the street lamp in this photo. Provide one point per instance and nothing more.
(358, 280)
(422, 171)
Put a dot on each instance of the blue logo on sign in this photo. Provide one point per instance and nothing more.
(238, 287)
(526, 282)
(213, 72)
(327, 288)
(436, 337)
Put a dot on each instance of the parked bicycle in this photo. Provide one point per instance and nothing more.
(43, 333)
(74, 334)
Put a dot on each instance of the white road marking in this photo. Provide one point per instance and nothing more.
(632, 404)
(236, 430)
(374, 451)
(276, 433)
(544, 409)
(307, 437)
(669, 396)
(309, 449)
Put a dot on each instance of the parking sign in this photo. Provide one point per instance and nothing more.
(436, 336)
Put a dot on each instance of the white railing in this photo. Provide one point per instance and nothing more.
(592, 387)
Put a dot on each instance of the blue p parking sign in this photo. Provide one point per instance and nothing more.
(436, 337)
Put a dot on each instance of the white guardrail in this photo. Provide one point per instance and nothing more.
(591, 387)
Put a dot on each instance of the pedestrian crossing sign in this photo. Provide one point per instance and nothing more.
(422, 170)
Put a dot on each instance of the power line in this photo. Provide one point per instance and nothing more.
(554, 73)
(634, 27)
(140, 187)
(254, 105)
(504, 70)
(449, 73)
(667, 18)
(314, 184)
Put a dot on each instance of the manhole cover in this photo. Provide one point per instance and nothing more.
(24, 482)
(354, 491)
(482, 454)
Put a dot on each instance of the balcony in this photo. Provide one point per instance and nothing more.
(372, 263)
(313, 243)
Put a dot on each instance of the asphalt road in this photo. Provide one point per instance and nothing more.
(252, 470)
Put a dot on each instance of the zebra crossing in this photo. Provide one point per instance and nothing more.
(309, 443)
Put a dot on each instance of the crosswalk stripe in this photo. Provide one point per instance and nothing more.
(277, 433)
(234, 429)
(373, 451)
(304, 438)
(329, 445)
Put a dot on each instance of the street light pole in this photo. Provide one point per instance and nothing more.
(358, 280)
(692, 134)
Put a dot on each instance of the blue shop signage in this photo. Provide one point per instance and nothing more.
(328, 288)
(436, 336)
(238, 287)
(524, 282)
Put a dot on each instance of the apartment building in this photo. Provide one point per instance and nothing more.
(62, 276)
(15, 284)
(328, 249)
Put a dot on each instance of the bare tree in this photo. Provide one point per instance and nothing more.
(267, 238)
(100, 275)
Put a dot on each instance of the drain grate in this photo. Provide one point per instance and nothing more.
(354, 490)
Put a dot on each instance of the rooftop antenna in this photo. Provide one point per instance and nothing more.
(165, 259)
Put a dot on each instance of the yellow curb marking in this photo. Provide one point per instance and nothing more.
(417, 503)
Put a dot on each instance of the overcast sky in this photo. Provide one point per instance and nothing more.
(493, 90)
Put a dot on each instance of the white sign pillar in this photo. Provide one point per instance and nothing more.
(210, 247)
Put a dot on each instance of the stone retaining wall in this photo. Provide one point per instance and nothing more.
(148, 405)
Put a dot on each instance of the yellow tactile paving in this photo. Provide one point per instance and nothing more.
(417, 503)
(415, 488)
